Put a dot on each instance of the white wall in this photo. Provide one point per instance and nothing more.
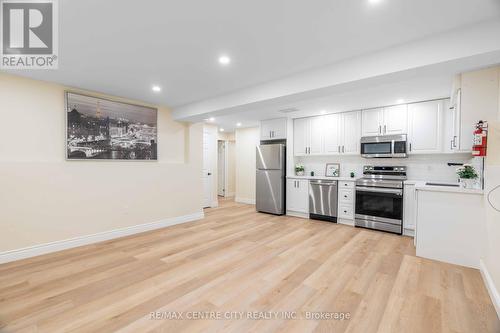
(44, 198)
(247, 140)
(492, 180)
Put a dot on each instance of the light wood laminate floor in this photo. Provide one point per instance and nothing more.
(238, 260)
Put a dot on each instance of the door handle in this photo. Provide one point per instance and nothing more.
(209, 174)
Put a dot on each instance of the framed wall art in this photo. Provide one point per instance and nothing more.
(103, 129)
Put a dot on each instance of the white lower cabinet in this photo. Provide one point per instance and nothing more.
(409, 211)
(346, 200)
(297, 196)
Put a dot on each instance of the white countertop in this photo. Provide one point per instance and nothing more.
(421, 186)
(324, 178)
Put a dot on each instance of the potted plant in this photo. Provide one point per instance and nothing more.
(467, 175)
(299, 170)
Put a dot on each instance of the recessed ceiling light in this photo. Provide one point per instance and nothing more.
(156, 88)
(400, 101)
(238, 124)
(211, 119)
(322, 112)
(374, 1)
(224, 60)
(222, 130)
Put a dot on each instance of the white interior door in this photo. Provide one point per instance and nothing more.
(221, 169)
(208, 157)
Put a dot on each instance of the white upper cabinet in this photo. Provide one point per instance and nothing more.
(351, 132)
(372, 122)
(385, 121)
(273, 129)
(332, 136)
(315, 135)
(308, 136)
(395, 120)
(424, 135)
(301, 134)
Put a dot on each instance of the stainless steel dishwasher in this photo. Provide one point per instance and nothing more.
(323, 196)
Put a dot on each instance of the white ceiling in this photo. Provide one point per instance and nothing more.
(124, 47)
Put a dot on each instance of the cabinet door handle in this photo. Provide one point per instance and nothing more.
(385, 129)
(451, 145)
(379, 129)
(339, 149)
(410, 146)
(455, 141)
(343, 149)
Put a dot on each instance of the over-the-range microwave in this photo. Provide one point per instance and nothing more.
(384, 146)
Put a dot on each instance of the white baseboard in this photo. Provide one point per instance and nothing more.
(490, 286)
(245, 200)
(229, 195)
(214, 204)
(37, 250)
(409, 232)
(346, 222)
(297, 214)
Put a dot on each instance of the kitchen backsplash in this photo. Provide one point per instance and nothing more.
(420, 167)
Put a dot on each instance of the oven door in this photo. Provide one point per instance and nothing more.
(377, 149)
(383, 205)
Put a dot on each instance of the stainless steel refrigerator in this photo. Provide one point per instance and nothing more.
(270, 187)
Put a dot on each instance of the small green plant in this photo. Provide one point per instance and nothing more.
(299, 168)
(467, 172)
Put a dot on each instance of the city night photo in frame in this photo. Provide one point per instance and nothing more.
(103, 129)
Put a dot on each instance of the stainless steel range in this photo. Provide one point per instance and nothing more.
(379, 198)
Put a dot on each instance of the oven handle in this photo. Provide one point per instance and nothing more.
(379, 190)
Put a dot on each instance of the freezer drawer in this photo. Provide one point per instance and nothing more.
(270, 188)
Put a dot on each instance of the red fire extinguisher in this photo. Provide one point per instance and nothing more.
(480, 139)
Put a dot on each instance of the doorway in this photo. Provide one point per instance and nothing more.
(221, 168)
